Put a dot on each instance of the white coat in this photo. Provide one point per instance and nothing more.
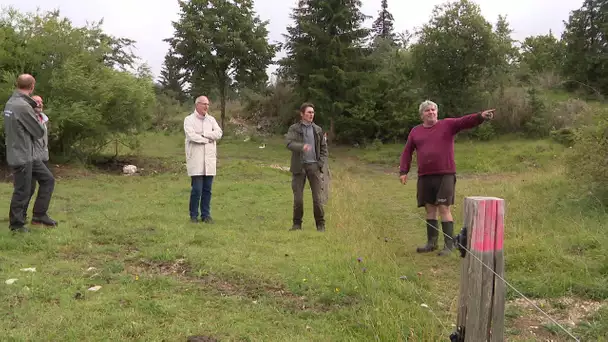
(201, 151)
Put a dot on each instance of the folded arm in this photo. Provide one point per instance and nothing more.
(191, 134)
(216, 132)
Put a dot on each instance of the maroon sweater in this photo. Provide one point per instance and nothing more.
(435, 145)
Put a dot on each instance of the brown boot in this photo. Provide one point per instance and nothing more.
(432, 234)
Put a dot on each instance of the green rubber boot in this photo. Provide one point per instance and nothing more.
(432, 234)
(448, 238)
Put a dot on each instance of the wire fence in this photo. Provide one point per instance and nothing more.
(457, 243)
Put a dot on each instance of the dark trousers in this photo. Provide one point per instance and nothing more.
(33, 191)
(298, 180)
(200, 194)
(23, 179)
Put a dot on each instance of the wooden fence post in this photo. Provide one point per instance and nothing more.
(481, 307)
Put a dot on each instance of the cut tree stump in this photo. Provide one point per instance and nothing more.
(481, 309)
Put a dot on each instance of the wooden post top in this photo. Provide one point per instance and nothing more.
(485, 220)
(484, 198)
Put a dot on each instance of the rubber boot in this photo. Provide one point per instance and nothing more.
(448, 238)
(432, 234)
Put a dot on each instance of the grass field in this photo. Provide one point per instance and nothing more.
(247, 278)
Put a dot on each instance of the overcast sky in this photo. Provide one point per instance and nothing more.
(149, 22)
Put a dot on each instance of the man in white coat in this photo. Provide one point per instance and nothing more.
(202, 132)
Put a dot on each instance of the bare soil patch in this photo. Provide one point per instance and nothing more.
(526, 322)
(235, 284)
(145, 165)
(59, 171)
(107, 165)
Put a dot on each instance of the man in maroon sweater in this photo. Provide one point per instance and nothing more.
(433, 141)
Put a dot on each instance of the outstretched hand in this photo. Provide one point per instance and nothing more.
(488, 114)
(403, 179)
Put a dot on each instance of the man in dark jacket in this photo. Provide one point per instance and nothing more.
(21, 128)
(308, 148)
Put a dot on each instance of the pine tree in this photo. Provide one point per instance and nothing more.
(325, 55)
(383, 25)
(171, 76)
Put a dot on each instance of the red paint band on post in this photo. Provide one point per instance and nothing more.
(487, 234)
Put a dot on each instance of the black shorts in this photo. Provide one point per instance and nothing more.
(436, 189)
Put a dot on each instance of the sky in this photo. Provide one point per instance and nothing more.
(149, 22)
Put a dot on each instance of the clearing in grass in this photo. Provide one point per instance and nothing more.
(247, 278)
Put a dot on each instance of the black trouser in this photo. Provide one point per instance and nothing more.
(313, 174)
(23, 178)
(46, 163)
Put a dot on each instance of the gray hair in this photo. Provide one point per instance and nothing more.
(426, 104)
(200, 99)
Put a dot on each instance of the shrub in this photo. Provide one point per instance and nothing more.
(169, 113)
(273, 109)
(588, 162)
(91, 102)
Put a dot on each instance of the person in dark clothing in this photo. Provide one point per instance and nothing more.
(309, 153)
(41, 146)
(433, 141)
(21, 129)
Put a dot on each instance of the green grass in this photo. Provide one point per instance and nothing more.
(246, 278)
(499, 156)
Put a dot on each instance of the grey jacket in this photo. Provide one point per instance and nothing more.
(21, 128)
(41, 146)
(295, 143)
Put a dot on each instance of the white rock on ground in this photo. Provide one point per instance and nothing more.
(129, 169)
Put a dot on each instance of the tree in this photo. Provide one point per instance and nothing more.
(456, 54)
(393, 90)
(383, 25)
(221, 43)
(90, 101)
(543, 53)
(505, 52)
(117, 55)
(325, 59)
(586, 40)
(172, 77)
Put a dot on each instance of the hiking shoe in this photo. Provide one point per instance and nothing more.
(296, 227)
(208, 220)
(321, 227)
(44, 220)
(194, 220)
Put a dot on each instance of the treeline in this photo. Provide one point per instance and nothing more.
(367, 82)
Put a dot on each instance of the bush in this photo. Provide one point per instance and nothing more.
(89, 98)
(168, 114)
(588, 162)
(272, 109)
(564, 136)
(537, 114)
